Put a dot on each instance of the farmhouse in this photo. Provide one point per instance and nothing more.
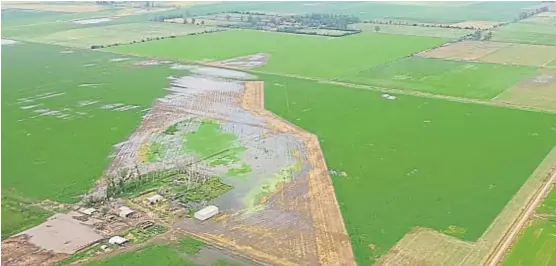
(126, 212)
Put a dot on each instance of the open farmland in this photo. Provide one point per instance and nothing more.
(537, 243)
(120, 33)
(526, 33)
(422, 12)
(537, 90)
(289, 53)
(545, 18)
(64, 123)
(495, 52)
(407, 177)
(461, 79)
(447, 33)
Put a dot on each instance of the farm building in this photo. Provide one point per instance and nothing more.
(117, 240)
(154, 199)
(88, 211)
(206, 212)
(126, 212)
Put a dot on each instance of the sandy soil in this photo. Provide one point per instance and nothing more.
(18, 251)
(522, 54)
(53, 7)
(466, 50)
(299, 220)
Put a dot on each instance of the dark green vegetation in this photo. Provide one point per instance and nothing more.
(66, 152)
(310, 56)
(137, 235)
(18, 216)
(414, 161)
(537, 244)
(463, 79)
(205, 191)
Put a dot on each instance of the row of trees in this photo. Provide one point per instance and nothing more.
(96, 46)
(414, 24)
(527, 14)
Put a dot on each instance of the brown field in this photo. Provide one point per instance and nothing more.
(483, 25)
(427, 247)
(53, 7)
(495, 52)
(466, 50)
(522, 54)
(536, 91)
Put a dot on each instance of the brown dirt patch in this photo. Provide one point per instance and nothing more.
(19, 251)
(522, 54)
(466, 50)
(53, 7)
(483, 25)
(537, 91)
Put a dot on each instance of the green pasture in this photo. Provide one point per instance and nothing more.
(311, 56)
(58, 156)
(447, 33)
(453, 78)
(414, 161)
(526, 33)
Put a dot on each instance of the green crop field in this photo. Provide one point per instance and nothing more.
(526, 33)
(18, 216)
(289, 53)
(414, 161)
(537, 244)
(61, 111)
(413, 30)
(462, 79)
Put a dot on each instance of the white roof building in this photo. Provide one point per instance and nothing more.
(125, 211)
(206, 212)
(117, 240)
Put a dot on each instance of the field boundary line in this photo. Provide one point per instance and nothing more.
(347, 84)
(518, 225)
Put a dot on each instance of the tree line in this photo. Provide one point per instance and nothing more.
(148, 39)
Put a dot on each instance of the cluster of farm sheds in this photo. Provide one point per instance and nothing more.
(65, 234)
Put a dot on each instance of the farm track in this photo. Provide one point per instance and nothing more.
(496, 257)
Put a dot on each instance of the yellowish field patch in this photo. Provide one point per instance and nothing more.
(78, 7)
(484, 25)
(467, 50)
(522, 54)
(536, 91)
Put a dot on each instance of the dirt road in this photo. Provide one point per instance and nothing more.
(496, 257)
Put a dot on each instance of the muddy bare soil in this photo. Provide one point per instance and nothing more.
(244, 62)
(281, 212)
